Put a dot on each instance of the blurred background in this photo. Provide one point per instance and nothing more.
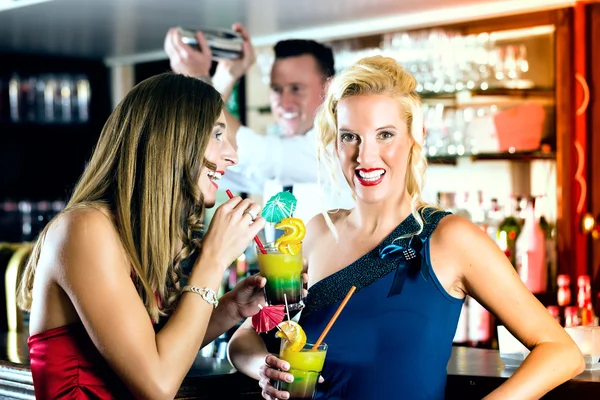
(501, 106)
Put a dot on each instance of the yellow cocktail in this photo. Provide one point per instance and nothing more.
(306, 366)
(284, 276)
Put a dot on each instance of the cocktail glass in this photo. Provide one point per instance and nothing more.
(284, 276)
(306, 366)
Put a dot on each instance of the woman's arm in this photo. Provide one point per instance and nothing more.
(234, 306)
(247, 351)
(249, 355)
(486, 274)
(93, 269)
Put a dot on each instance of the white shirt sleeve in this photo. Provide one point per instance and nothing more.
(288, 160)
(299, 161)
(259, 160)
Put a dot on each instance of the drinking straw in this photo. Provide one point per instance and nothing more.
(332, 320)
(256, 239)
(286, 306)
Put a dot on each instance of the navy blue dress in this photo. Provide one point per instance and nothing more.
(393, 339)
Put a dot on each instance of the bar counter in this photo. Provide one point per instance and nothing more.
(472, 373)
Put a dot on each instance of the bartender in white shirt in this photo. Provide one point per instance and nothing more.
(272, 163)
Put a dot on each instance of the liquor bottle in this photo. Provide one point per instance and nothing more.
(4, 108)
(478, 211)
(446, 201)
(462, 205)
(449, 201)
(14, 95)
(564, 290)
(572, 318)
(25, 209)
(584, 300)
(521, 209)
(494, 219)
(508, 231)
(541, 207)
(531, 252)
(596, 306)
(28, 93)
(83, 99)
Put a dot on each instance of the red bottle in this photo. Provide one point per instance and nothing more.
(564, 290)
(571, 317)
(531, 252)
(584, 299)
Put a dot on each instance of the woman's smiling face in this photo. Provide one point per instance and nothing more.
(373, 146)
(221, 153)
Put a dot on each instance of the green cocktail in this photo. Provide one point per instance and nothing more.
(306, 366)
(284, 276)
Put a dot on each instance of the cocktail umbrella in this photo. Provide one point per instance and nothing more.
(281, 205)
(268, 317)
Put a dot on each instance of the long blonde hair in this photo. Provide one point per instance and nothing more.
(145, 170)
(376, 75)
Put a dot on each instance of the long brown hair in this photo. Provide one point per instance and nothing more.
(145, 170)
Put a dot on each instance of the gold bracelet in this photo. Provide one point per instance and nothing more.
(207, 294)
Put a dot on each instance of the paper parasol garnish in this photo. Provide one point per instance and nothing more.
(280, 206)
(268, 317)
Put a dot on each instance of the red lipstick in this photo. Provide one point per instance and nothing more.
(369, 182)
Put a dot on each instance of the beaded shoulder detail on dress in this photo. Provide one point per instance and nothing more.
(403, 255)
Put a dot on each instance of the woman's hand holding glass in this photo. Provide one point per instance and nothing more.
(272, 371)
(246, 296)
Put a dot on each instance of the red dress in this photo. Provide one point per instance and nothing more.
(65, 364)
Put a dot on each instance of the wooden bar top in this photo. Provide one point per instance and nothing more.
(472, 374)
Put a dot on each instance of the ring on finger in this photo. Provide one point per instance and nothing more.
(251, 214)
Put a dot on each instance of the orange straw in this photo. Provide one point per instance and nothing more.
(332, 320)
(256, 239)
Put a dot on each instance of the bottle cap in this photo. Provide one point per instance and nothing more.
(583, 280)
(563, 280)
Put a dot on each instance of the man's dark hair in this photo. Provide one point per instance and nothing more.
(299, 47)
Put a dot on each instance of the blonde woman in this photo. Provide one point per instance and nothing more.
(412, 264)
(106, 268)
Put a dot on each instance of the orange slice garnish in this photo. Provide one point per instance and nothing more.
(293, 333)
(294, 232)
(290, 248)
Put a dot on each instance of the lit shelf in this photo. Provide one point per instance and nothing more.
(500, 97)
(517, 156)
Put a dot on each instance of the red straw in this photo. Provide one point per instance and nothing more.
(332, 320)
(256, 239)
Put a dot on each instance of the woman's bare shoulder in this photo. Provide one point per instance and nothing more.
(318, 229)
(453, 229)
(318, 224)
(79, 234)
(76, 223)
